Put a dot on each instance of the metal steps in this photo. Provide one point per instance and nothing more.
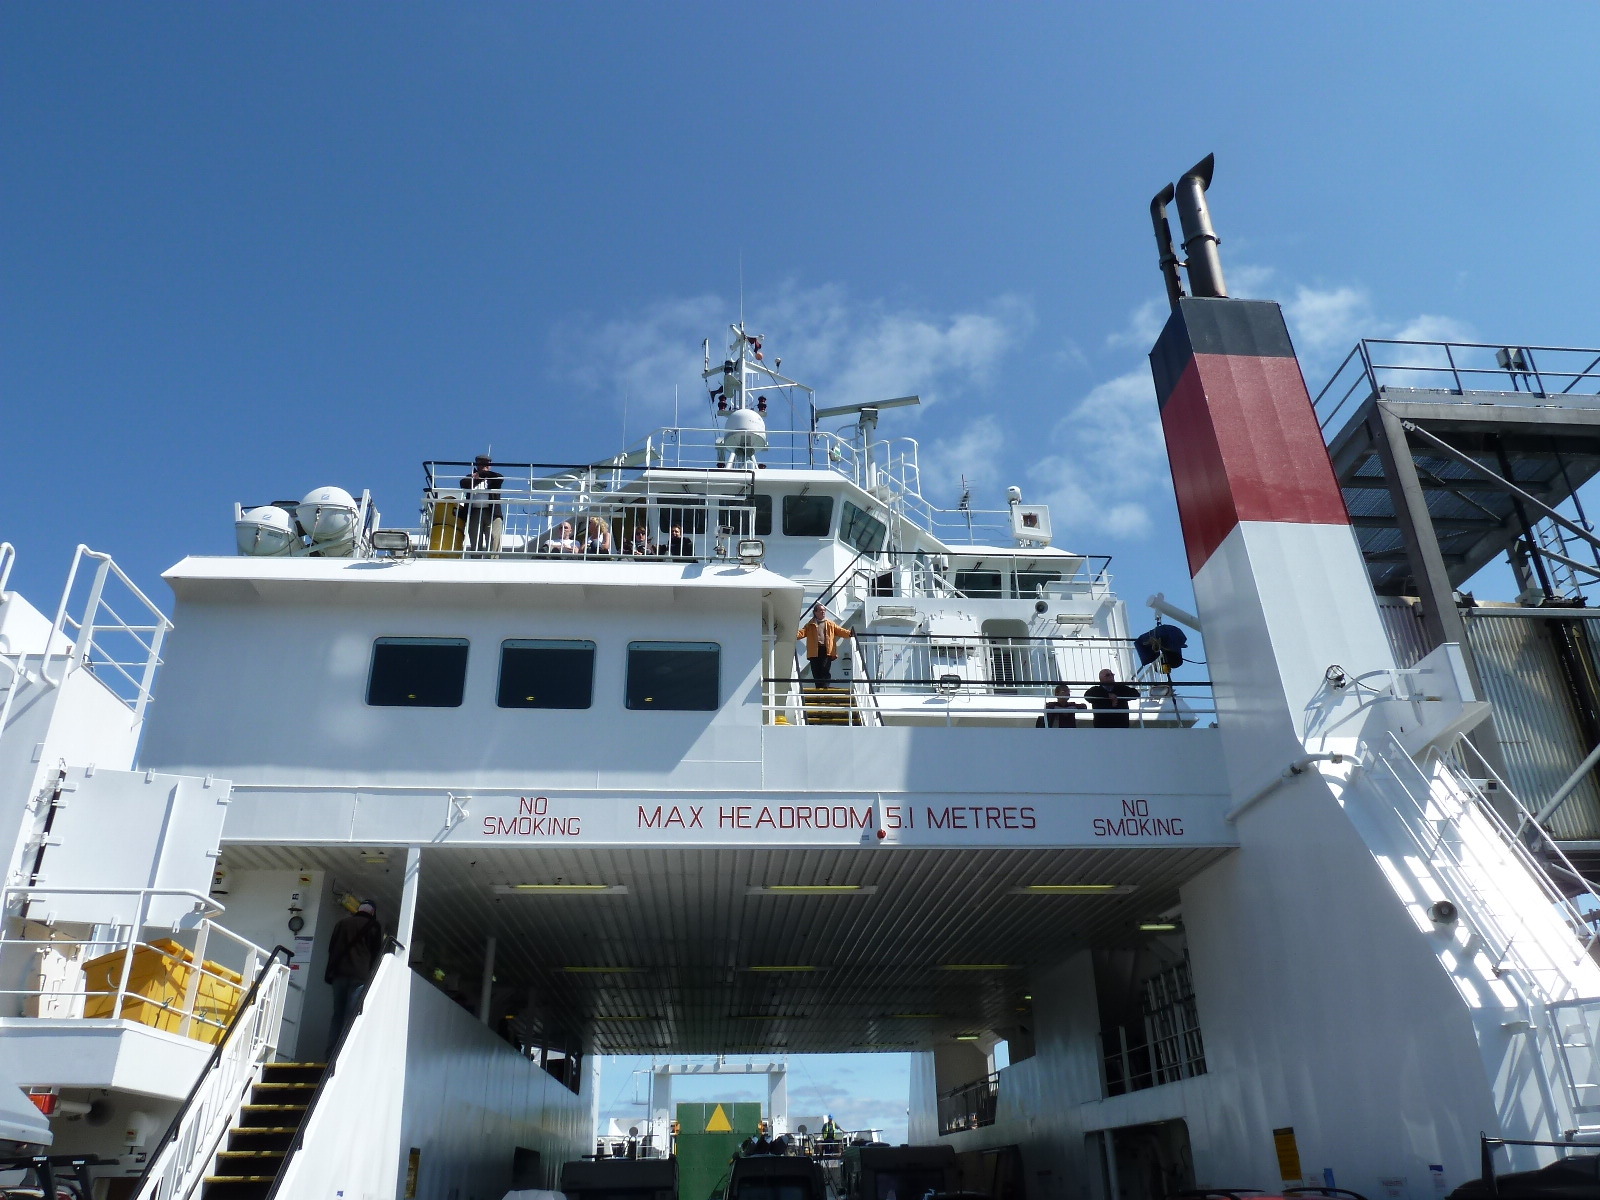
(830, 706)
(257, 1146)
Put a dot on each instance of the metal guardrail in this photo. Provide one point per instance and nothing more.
(58, 978)
(189, 1145)
(122, 654)
(1455, 367)
(970, 1106)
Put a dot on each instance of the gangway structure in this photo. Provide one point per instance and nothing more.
(1449, 455)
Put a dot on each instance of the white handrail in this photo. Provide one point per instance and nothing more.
(8, 559)
(82, 632)
(186, 1154)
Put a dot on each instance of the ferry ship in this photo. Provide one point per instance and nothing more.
(1275, 919)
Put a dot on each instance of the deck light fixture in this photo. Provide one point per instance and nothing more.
(810, 889)
(1158, 926)
(394, 541)
(966, 1037)
(601, 970)
(562, 889)
(948, 685)
(774, 968)
(1071, 889)
(751, 551)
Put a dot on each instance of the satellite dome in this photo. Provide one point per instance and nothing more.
(327, 514)
(265, 532)
(746, 429)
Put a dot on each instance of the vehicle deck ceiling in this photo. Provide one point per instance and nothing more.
(687, 931)
(1474, 519)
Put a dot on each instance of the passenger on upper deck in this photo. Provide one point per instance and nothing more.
(598, 538)
(822, 643)
(483, 517)
(1058, 713)
(1110, 700)
(560, 540)
(679, 546)
(640, 546)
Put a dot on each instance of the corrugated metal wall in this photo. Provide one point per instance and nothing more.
(1533, 716)
(1539, 735)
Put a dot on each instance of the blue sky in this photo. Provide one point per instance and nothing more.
(248, 249)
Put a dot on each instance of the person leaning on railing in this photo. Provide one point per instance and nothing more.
(822, 644)
(483, 515)
(1109, 699)
(1058, 713)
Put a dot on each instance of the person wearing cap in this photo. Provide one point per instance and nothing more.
(483, 516)
(822, 644)
(353, 953)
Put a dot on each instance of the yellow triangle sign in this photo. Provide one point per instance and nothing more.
(719, 1122)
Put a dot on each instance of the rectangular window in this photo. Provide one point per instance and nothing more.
(807, 516)
(546, 674)
(680, 676)
(763, 514)
(1033, 583)
(865, 533)
(979, 585)
(689, 514)
(410, 672)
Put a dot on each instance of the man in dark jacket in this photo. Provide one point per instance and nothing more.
(1109, 699)
(353, 953)
(483, 514)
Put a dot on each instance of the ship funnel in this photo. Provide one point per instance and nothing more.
(1199, 238)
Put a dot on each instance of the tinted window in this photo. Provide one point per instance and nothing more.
(861, 531)
(763, 514)
(690, 514)
(418, 672)
(1029, 582)
(541, 674)
(807, 516)
(979, 585)
(673, 675)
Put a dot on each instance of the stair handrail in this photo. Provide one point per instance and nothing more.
(390, 945)
(170, 1174)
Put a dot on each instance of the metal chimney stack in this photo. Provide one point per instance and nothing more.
(1200, 239)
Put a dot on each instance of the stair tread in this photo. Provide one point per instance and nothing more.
(275, 1108)
(264, 1129)
(267, 1083)
(251, 1153)
(241, 1179)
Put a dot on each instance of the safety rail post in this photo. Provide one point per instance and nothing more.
(192, 991)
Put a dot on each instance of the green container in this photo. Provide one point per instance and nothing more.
(708, 1137)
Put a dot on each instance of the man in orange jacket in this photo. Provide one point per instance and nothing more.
(822, 644)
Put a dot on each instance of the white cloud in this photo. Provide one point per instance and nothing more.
(1327, 321)
(1143, 328)
(973, 453)
(1108, 457)
(849, 350)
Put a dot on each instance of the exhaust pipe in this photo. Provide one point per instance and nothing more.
(1200, 240)
(1169, 256)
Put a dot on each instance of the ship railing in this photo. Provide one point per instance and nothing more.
(8, 559)
(582, 516)
(970, 1106)
(890, 573)
(814, 1145)
(1454, 368)
(1133, 1064)
(188, 983)
(939, 701)
(1481, 859)
(122, 652)
(994, 665)
(189, 1146)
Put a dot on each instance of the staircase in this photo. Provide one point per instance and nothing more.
(248, 1165)
(830, 706)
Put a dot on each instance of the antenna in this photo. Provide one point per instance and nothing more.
(965, 504)
(741, 289)
(844, 410)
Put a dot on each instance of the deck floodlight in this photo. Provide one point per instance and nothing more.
(948, 685)
(395, 541)
(751, 551)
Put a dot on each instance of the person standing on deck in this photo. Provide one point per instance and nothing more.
(1109, 700)
(353, 953)
(822, 644)
(483, 515)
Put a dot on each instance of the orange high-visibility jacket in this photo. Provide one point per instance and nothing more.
(825, 634)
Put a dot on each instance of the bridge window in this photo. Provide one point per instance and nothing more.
(863, 532)
(689, 514)
(807, 516)
(763, 505)
(546, 674)
(681, 676)
(412, 672)
(979, 585)
(1033, 583)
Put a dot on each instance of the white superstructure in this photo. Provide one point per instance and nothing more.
(563, 734)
